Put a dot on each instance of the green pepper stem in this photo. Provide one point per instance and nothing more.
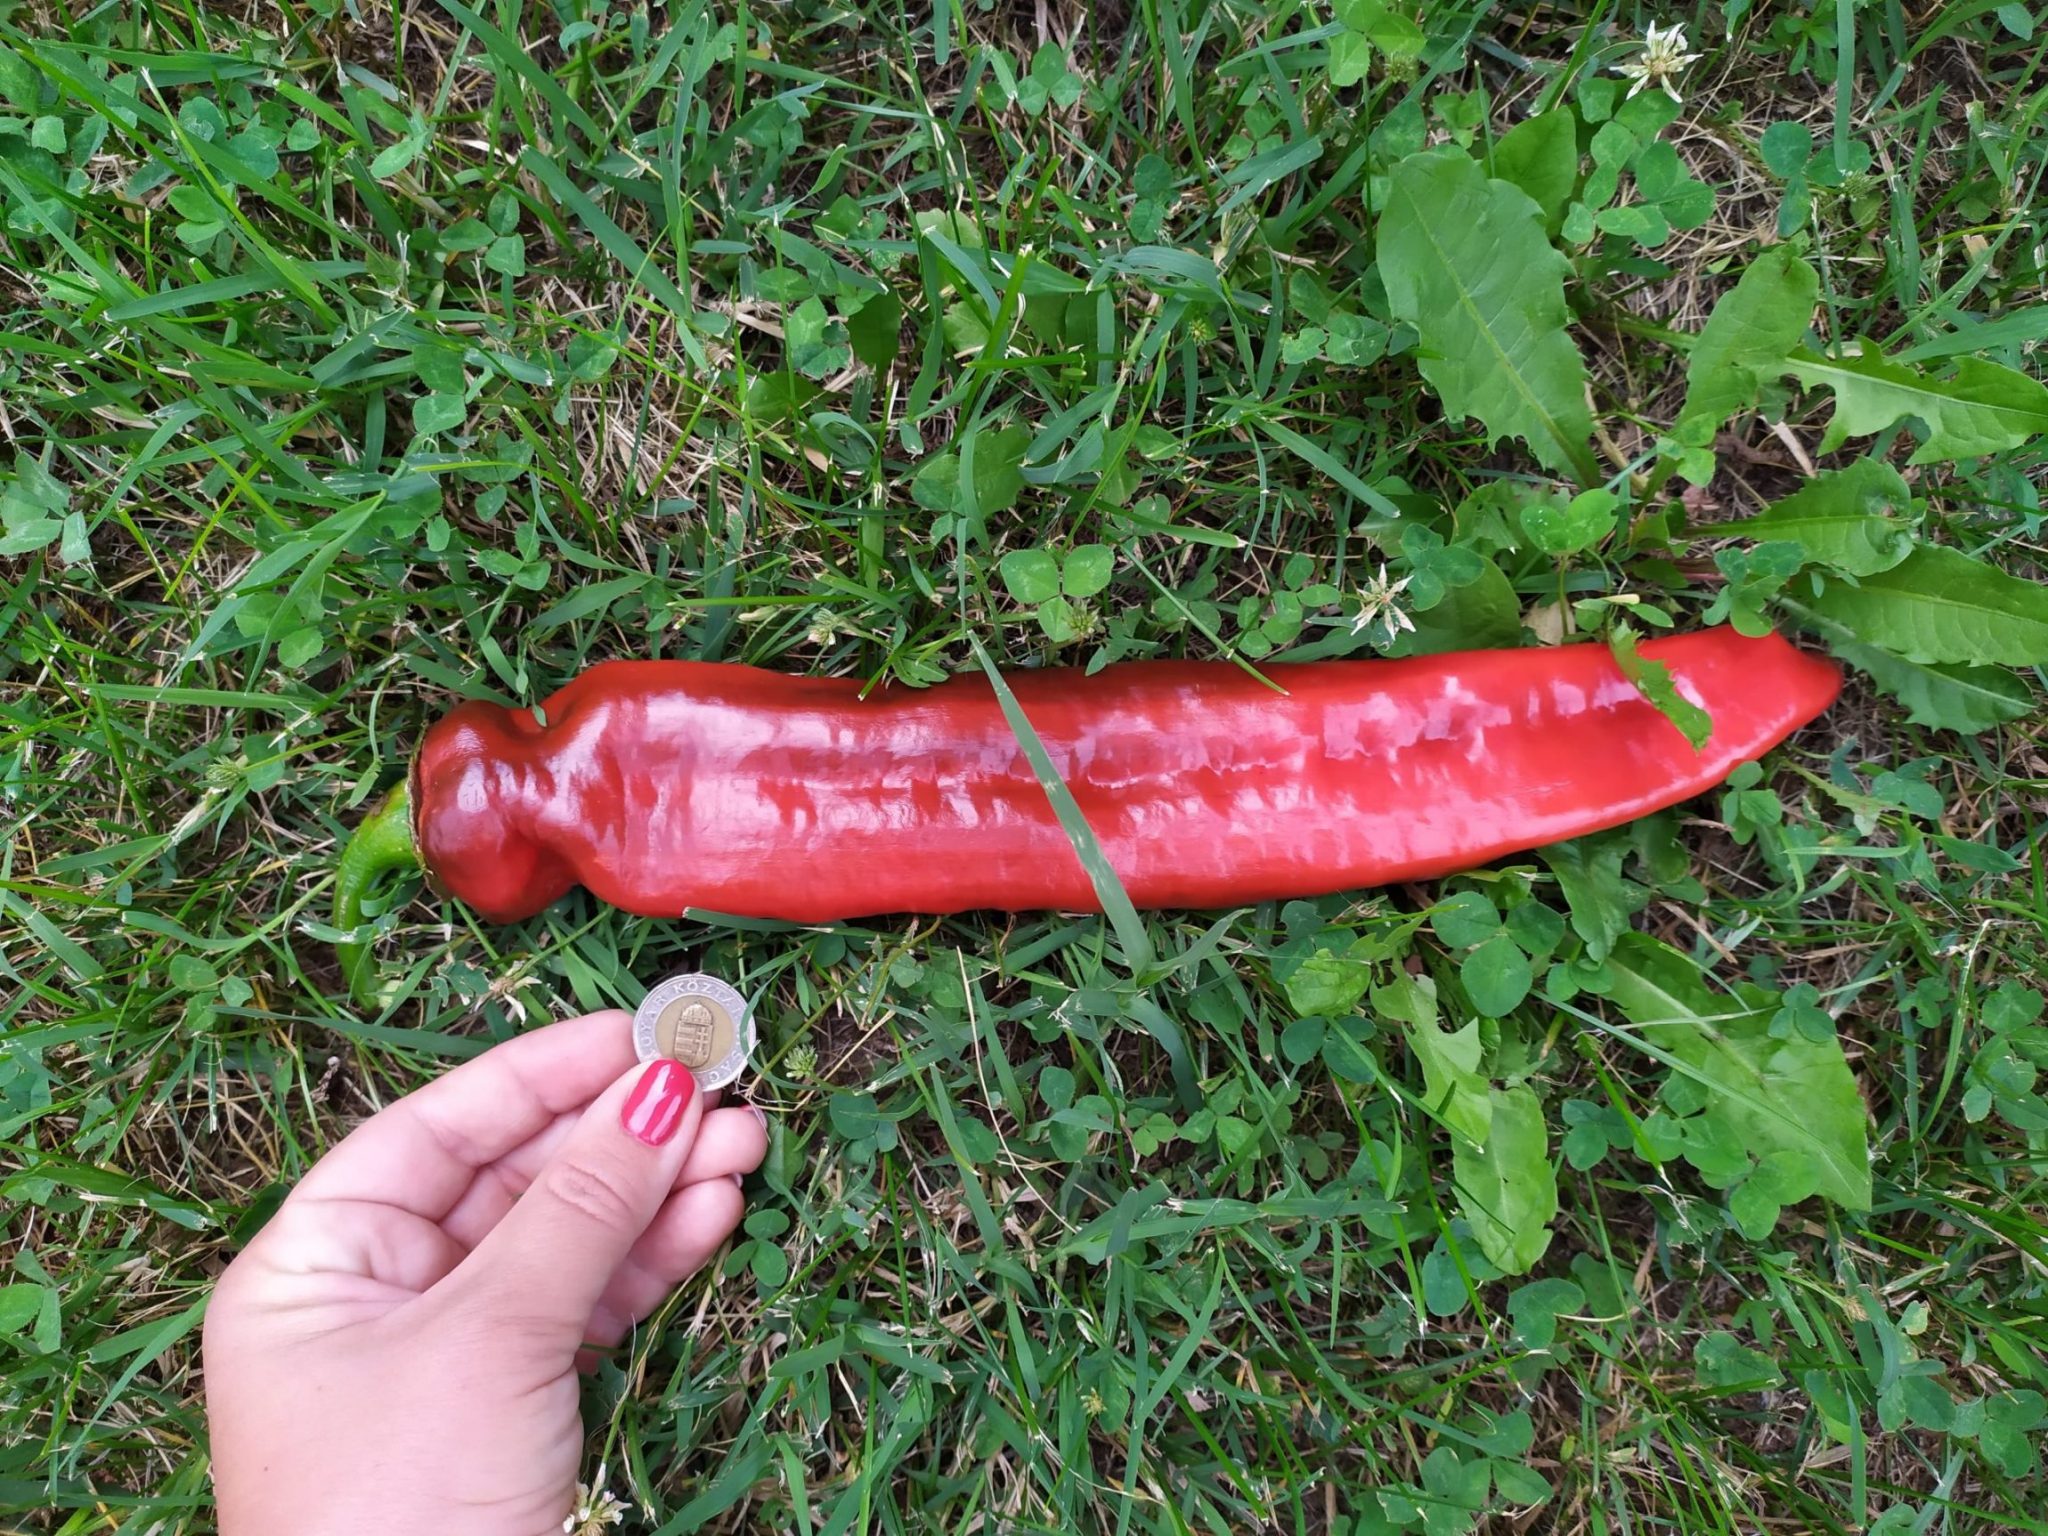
(383, 843)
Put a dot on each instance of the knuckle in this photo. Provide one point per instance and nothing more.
(597, 1193)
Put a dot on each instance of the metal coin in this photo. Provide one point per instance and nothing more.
(699, 1021)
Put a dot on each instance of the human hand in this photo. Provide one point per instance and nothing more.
(396, 1351)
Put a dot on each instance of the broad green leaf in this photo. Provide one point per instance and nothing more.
(1796, 208)
(1398, 38)
(591, 356)
(1455, 1090)
(1087, 570)
(1455, 1489)
(1541, 156)
(996, 483)
(394, 158)
(814, 340)
(1613, 145)
(1345, 1053)
(506, 255)
(1965, 699)
(1644, 223)
(874, 330)
(1350, 59)
(773, 398)
(437, 412)
(1941, 607)
(1481, 614)
(1565, 528)
(967, 328)
(1301, 1040)
(1375, 26)
(20, 83)
(1507, 1189)
(439, 369)
(1724, 1362)
(1056, 1087)
(1919, 1400)
(1755, 1213)
(1778, 1180)
(1536, 1307)
(1786, 147)
(1653, 682)
(33, 493)
(1234, 1137)
(937, 482)
(466, 234)
(1466, 262)
(1588, 871)
(1327, 984)
(19, 1305)
(997, 459)
(1844, 518)
(1537, 926)
(1663, 182)
(1946, 698)
(1435, 566)
(1519, 1484)
(1062, 622)
(1032, 575)
(1794, 1095)
(1983, 407)
(1465, 919)
(1496, 977)
(75, 547)
(1753, 328)
(300, 646)
(22, 537)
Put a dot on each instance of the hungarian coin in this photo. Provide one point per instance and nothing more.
(699, 1021)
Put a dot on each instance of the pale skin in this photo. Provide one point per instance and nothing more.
(397, 1350)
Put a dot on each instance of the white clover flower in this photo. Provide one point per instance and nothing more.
(595, 1508)
(1663, 57)
(827, 627)
(1377, 605)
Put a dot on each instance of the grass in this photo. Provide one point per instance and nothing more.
(353, 363)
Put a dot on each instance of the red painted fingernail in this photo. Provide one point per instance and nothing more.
(655, 1107)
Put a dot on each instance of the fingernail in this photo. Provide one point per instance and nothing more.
(763, 1119)
(738, 1181)
(655, 1107)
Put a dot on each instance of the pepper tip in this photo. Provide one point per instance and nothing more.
(383, 843)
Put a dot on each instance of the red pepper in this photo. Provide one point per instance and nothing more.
(661, 785)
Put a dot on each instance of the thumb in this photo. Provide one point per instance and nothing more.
(549, 1260)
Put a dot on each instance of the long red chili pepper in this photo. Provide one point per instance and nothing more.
(662, 785)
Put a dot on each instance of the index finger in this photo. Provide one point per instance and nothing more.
(422, 1153)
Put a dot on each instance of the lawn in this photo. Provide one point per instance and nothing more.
(1691, 1177)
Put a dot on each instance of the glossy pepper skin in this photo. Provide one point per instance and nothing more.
(663, 785)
